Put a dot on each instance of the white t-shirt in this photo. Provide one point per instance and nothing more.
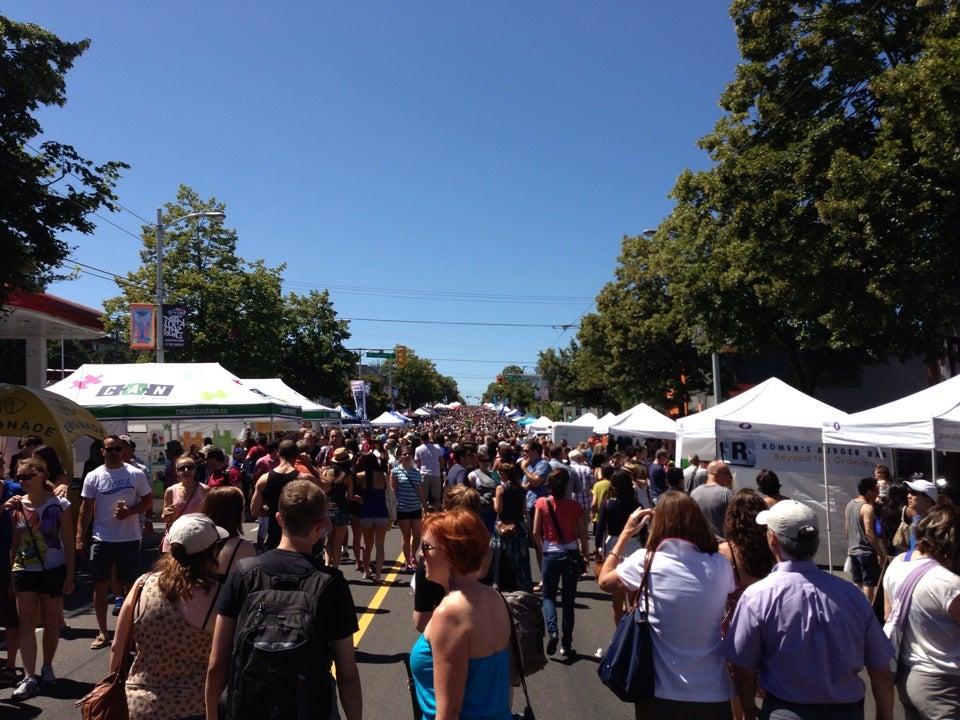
(105, 487)
(688, 594)
(931, 642)
(427, 458)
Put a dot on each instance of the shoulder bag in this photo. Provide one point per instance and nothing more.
(627, 666)
(518, 657)
(901, 538)
(108, 699)
(900, 610)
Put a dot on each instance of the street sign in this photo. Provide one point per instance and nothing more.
(383, 354)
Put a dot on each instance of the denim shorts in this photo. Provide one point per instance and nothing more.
(339, 518)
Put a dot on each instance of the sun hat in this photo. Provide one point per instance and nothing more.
(195, 532)
(342, 455)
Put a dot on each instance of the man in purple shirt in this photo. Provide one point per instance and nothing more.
(809, 633)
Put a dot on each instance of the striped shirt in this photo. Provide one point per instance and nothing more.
(408, 497)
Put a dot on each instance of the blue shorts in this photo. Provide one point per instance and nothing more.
(339, 518)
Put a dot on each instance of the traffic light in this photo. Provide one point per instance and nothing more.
(401, 351)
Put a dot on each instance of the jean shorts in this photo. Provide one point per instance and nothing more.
(339, 518)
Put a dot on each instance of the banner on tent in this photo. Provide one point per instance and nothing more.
(791, 449)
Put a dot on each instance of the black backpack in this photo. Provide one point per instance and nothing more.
(280, 662)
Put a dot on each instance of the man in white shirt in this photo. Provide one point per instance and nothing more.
(427, 459)
(114, 496)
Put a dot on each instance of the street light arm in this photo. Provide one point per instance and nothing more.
(190, 216)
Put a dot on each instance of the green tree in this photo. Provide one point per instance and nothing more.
(312, 358)
(54, 190)
(512, 390)
(419, 382)
(826, 227)
(576, 376)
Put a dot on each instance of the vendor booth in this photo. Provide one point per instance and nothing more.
(575, 432)
(388, 419)
(776, 427)
(603, 424)
(158, 402)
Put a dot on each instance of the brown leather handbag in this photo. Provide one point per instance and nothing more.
(108, 699)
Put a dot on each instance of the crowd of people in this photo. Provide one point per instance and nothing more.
(743, 620)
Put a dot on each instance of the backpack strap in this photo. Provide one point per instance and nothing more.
(556, 523)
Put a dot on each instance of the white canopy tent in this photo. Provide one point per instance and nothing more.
(387, 419)
(643, 421)
(277, 388)
(422, 412)
(586, 420)
(541, 423)
(927, 420)
(775, 426)
(400, 416)
(603, 424)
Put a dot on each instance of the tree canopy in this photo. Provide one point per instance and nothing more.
(51, 189)
(826, 227)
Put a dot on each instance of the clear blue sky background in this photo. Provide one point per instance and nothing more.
(473, 147)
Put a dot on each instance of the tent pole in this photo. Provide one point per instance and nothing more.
(933, 465)
(826, 497)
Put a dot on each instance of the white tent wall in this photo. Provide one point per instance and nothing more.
(571, 432)
(796, 456)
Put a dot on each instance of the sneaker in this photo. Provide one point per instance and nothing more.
(28, 688)
(567, 652)
(100, 641)
(46, 675)
(117, 604)
(552, 644)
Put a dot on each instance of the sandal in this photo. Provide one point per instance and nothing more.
(100, 641)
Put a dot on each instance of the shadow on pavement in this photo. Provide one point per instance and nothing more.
(378, 659)
(18, 711)
(67, 689)
(361, 610)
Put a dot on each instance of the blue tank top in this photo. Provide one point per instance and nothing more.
(487, 694)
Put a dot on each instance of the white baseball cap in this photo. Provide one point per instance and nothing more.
(196, 532)
(924, 487)
(790, 519)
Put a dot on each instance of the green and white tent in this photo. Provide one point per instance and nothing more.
(171, 391)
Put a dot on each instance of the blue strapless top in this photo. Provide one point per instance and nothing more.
(487, 694)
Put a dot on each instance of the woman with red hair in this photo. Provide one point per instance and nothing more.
(461, 663)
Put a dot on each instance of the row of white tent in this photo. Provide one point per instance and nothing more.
(817, 450)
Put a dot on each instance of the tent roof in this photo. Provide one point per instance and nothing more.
(585, 420)
(603, 424)
(422, 412)
(541, 423)
(386, 419)
(925, 420)
(167, 390)
(643, 421)
(277, 388)
(772, 402)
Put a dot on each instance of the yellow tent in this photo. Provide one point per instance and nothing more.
(53, 418)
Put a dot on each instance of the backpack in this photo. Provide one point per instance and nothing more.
(528, 625)
(279, 662)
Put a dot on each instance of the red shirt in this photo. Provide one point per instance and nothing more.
(568, 512)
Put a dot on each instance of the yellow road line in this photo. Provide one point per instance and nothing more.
(371, 612)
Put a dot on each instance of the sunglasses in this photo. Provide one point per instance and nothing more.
(186, 468)
(112, 449)
(427, 547)
(20, 477)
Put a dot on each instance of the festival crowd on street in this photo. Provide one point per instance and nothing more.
(717, 607)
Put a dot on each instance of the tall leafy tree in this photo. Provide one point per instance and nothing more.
(511, 389)
(826, 226)
(312, 356)
(419, 382)
(53, 190)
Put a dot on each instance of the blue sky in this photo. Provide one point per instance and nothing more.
(494, 148)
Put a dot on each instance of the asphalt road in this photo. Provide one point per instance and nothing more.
(565, 688)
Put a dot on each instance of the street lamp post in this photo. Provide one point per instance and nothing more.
(160, 229)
